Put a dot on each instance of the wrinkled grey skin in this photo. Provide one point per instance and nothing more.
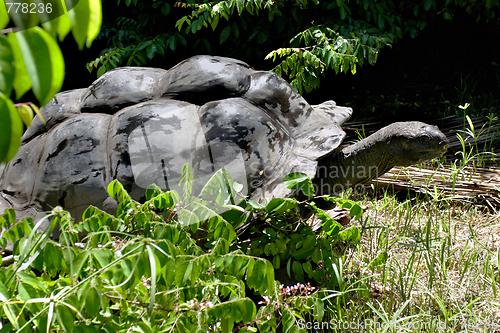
(140, 125)
(399, 144)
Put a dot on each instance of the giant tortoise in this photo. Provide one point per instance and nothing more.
(140, 125)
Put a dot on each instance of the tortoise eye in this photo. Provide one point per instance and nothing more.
(424, 140)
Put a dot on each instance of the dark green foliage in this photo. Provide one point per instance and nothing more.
(279, 234)
(307, 37)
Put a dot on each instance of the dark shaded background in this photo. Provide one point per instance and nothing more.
(448, 64)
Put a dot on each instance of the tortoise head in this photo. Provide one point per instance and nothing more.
(413, 142)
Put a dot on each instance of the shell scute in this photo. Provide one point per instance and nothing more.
(140, 125)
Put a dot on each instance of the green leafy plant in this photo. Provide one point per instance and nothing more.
(298, 252)
(472, 153)
(174, 263)
(307, 37)
(31, 59)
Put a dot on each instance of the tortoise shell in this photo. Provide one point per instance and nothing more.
(140, 125)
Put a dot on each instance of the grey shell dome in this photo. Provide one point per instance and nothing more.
(140, 125)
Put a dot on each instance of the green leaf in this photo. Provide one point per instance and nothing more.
(13, 313)
(261, 37)
(427, 4)
(236, 30)
(38, 113)
(152, 191)
(165, 9)
(52, 257)
(215, 21)
(248, 310)
(92, 301)
(86, 18)
(7, 327)
(181, 39)
(65, 318)
(343, 12)
(257, 275)
(180, 22)
(303, 253)
(381, 22)
(4, 293)
(225, 34)
(366, 4)
(380, 260)
(276, 262)
(298, 272)
(237, 186)
(187, 218)
(294, 178)
(299, 181)
(227, 325)
(255, 205)
(270, 16)
(287, 321)
(279, 205)
(43, 60)
(309, 242)
(6, 66)
(351, 234)
(101, 71)
(194, 25)
(4, 17)
(95, 20)
(63, 25)
(79, 18)
(356, 211)
(22, 81)
(186, 181)
(11, 129)
(270, 287)
(239, 6)
(26, 114)
(117, 192)
(319, 309)
(151, 51)
(172, 42)
(22, 17)
(415, 10)
(180, 273)
(78, 262)
(27, 292)
(316, 256)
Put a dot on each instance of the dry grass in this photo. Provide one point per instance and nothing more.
(442, 268)
(439, 226)
(481, 184)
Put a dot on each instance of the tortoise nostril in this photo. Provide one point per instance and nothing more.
(434, 132)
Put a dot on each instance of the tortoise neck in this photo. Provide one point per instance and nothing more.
(354, 165)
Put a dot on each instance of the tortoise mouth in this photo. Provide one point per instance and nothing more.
(436, 152)
(438, 143)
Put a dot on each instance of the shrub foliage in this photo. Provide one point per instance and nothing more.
(175, 263)
(303, 37)
(30, 57)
